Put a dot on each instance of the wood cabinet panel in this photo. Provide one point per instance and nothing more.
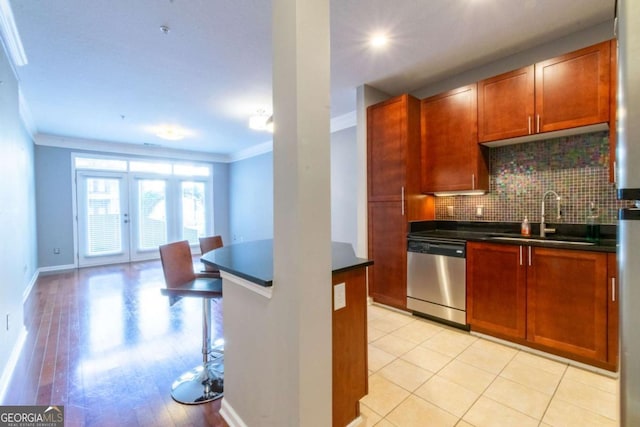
(388, 250)
(573, 90)
(496, 289)
(613, 320)
(452, 160)
(387, 149)
(506, 105)
(613, 107)
(349, 332)
(567, 301)
(394, 196)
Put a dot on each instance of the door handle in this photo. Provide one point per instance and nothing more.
(613, 289)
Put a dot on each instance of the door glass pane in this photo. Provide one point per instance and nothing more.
(104, 234)
(152, 207)
(193, 211)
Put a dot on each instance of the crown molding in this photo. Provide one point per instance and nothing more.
(10, 36)
(337, 124)
(48, 140)
(344, 121)
(253, 151)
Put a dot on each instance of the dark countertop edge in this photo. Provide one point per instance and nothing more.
(344, 263)
(247, 277)
(268, 283)
(363, 263)
(480, 231)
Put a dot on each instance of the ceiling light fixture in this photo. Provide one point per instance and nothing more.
(261, 121)
(170, 133)
(379, 40)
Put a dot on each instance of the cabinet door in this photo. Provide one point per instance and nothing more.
(567, 301)
(506, 105)
(573, 90)
(388, 250)
(386, 149)
(613, 313)
(496, 289)
(450, 150)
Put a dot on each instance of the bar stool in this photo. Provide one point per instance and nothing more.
(205, 382)
(208, 244)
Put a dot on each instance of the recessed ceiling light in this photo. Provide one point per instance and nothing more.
(379, 40)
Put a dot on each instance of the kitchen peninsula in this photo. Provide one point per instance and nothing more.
(247, 272)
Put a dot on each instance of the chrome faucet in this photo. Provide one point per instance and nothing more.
(543, 227)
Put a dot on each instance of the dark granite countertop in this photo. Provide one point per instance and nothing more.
(509, 233)
(253, 261)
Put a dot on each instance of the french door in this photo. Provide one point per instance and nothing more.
(103, 218)
(125, 217)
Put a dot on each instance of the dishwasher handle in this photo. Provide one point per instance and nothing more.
(444, 249)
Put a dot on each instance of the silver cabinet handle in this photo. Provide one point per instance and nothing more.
(473, 181)
(615, 172)
(538, 124)
(529, 256)
(520, 254)
(613, 289)
(529, 123)
(402, 199)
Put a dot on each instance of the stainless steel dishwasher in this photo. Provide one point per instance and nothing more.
(436, 278)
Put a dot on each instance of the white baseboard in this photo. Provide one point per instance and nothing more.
(57, 268)
(230, 415)
(29, 288)
(11, 364)
(356, 422)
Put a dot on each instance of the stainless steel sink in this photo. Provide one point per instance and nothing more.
(549, 241)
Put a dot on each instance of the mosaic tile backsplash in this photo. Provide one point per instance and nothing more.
(575, 167)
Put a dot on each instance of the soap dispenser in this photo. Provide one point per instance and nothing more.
(593, 223)
(525, 227)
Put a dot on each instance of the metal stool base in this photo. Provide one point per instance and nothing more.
(200, 385)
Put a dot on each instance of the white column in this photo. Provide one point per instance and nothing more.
(302, 211)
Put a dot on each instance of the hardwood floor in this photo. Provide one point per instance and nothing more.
(105, 343)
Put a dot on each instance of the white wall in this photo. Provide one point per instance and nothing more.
(572, 42)
(54, 202)
(251, 193)
(17, 215)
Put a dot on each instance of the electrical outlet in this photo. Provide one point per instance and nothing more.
(339, 296)
(56, 251)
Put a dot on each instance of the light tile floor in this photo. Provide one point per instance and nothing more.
(422, 373)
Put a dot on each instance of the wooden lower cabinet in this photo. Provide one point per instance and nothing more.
(613, 319)
(556, 300)
(388, 249)
(567, 302)
(349, 339)
(496, 289)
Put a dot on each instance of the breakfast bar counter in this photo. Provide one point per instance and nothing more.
(249, 266)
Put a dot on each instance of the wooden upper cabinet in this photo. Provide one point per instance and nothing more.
(573, 90)
(565, 92)
(451, 157)
(387, 140)
(506, 105)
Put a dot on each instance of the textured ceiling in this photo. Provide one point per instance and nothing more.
(103, 70)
